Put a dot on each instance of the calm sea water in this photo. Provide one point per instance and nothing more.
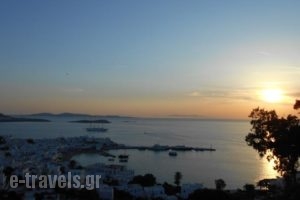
(233, 161)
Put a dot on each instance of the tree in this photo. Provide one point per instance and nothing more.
(170, 189)
(30, 141)
(177, 178)
(249, 187)
(2, 139)
(145, 181)
(278, 139)
(220, 184)
(263, 184)
(250, 190)
(7, 154)
(62, 170)
(149, 180)
(209, 194)
(11, 195)
(122, 195)
(297, 104)
(72, 164)
(7, 172)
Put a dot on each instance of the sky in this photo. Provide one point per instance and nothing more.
(211, 59)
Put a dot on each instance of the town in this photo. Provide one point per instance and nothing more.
(53, 157)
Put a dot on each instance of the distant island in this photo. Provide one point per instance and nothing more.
(66, 114)
(102, 121)
(59, 115)
(6, 118)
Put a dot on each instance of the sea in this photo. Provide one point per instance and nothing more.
(233, 161)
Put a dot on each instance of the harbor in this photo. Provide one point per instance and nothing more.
(158, 147)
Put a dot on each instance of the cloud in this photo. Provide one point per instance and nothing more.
(294, 94)
(194, 94)
(187, 116)
(225, 93)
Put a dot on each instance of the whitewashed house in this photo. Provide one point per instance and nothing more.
(135, 190)
(155, 192)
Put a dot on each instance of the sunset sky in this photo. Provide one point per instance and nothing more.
(149, 58)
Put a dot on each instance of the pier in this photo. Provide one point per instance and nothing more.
(157, 147)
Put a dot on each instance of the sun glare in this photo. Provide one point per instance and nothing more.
(268, 170)
(272, 95)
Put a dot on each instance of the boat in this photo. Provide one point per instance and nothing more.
(123, 160)
(111, 159)
(172, 153)
(123, 156)
(96, 129)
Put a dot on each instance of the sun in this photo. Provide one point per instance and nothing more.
(272, 95)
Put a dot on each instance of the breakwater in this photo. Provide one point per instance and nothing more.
(157, 147)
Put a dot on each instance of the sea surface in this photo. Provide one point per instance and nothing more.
(233, 160)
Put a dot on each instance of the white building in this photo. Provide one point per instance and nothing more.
(135, 190)
(155, 192)
(117, 172)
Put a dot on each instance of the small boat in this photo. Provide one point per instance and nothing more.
(111, 159)
(95, 129)
(123, 156)
(172, 153)
(123, 160)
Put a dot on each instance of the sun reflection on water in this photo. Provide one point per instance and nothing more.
(267, 170)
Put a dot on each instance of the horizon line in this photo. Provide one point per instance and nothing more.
(171, 116)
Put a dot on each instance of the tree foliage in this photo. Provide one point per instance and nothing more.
(170, 189)
(177, 178)
(145, 181)
(264, 183)
(209, 194)
(7, 173)
(277, 138)
(2, 139)
(220, 184)
(72, 164)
